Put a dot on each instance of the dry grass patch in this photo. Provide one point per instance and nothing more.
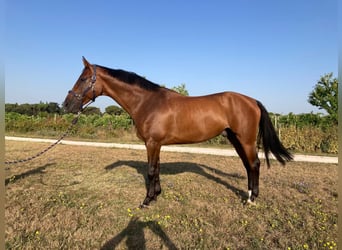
(87, 198)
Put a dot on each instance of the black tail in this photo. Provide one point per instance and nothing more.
(270, 140)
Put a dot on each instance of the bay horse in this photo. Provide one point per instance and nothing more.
(163, 117)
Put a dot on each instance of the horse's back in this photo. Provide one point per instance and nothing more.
(229, 103)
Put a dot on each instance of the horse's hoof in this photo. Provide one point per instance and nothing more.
(142, 205)
(251, 202)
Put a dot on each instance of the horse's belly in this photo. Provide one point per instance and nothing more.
(195, 131)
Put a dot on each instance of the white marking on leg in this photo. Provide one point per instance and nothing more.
(249, 201)
(249, 194)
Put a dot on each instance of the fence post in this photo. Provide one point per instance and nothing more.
(277, 126)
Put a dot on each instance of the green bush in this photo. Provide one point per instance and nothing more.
(302, 133)
(309, 139)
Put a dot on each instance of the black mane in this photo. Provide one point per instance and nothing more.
(131, 78)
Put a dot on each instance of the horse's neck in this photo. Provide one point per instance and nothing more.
(129, 96)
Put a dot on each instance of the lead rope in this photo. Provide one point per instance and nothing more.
(73, 122)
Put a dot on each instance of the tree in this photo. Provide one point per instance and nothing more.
(324, 96)
(53, 108)
(9, 107)
(114, 110)
(181, 89)
(92, 111)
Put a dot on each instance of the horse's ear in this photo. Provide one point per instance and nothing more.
(85, 62)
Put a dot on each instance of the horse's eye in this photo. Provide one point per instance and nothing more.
(83, 79)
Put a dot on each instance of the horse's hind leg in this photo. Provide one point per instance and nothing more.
(249, 157)
(253, 172)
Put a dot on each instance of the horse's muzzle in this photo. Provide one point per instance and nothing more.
(72, 104)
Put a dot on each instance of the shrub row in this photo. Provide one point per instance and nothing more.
(310, 139)
(303, 138)
(88, 126)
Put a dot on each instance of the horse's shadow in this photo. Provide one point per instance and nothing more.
(135, 237)
(38, 170)
(173, 168)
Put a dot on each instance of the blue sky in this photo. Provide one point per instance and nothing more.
(274, 51)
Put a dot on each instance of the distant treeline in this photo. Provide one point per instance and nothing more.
(53, 108)
(34, 109)
(41, 109)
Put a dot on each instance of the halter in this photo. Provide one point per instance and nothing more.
(90, 87)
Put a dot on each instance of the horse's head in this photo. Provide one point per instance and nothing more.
(83, 91)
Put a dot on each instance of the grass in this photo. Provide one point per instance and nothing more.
(77, 197)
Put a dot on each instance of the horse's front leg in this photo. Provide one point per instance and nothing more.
(153, 186)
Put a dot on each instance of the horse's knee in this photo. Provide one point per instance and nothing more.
(256, 164)
(157, 188)
(150, 177)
